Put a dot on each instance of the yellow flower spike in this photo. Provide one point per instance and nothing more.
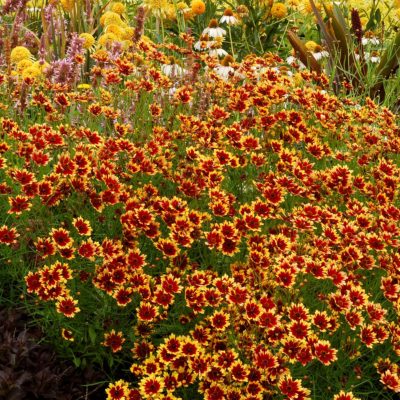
(19, 53)
(198, 7)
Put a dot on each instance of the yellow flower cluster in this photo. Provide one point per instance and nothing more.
(115, 29)
(22, 60)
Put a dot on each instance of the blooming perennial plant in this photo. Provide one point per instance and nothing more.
(230, 226)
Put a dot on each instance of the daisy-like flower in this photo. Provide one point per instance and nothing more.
(225, 71)
(172, 68)
(67, 335)
(345, 396)
(82, 226)
(319, 53)
(8, 235)
(216, 49)
(114, 340)
(228, 17)
(203, 43)
(372, 57)
(214, 30)
(117, 391)
(369, 38)
(295, 62)
(67, 306)
(151, 386)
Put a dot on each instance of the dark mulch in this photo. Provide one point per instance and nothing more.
(29, 370)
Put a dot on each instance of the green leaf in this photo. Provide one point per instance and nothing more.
(92, 335)
(305, 56)
(378, 16)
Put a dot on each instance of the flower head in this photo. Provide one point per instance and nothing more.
(228, 17)
(20, 53)
(278, 11)
(213, 30)
(118, 8)
(198, 7)
(88, 40)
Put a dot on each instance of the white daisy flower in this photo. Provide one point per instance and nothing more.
(217, 52)
(172, 69)
(225, 71)
(203, 43)
(372, 57)
(295, 62)
(228, 18)
(370, 38)
(213, 30)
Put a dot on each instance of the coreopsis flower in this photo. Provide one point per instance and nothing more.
(147, 312)
(324, 352)
(219, 321)
(214, 30)
(345, 396)
(278, 10)
(20, 53)
(19, 204)
(67, 306)
(198, 7)
(115, 340)
(61, 238)
(228, 17)
(151, 386)
(82, 226)
(391, 380)
(117, 391)
(67, 335)
(8, 235)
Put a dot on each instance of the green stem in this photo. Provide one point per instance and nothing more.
(230, 38)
